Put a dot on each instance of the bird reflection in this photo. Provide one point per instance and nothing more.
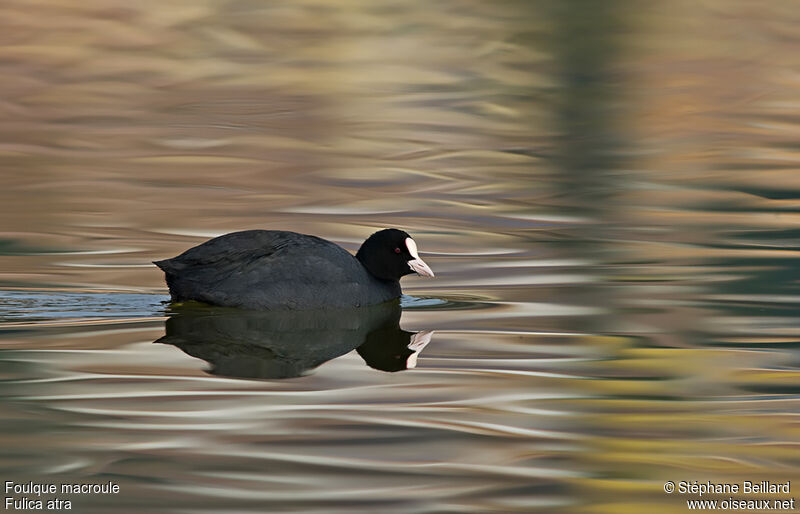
(272, 344)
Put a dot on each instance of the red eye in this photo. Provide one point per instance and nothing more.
(397, 250)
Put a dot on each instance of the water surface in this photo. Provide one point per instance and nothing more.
(608, 195)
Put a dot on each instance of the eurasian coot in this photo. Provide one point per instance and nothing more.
(275, 269)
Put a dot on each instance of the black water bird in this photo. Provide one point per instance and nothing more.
(280, 270)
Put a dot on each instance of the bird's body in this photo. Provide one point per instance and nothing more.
(272, 269)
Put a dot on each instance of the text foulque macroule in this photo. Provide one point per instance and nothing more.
(33, 495)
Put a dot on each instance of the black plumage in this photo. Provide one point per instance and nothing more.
(271, 269)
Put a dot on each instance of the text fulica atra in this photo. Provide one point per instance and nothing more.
(275, 269)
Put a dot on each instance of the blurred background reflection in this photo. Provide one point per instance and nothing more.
(608, 192)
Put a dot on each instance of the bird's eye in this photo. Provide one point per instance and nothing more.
(397, 250)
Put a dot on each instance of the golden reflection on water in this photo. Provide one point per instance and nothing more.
(608, 195)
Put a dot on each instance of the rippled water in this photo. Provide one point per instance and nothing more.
(607, 192)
